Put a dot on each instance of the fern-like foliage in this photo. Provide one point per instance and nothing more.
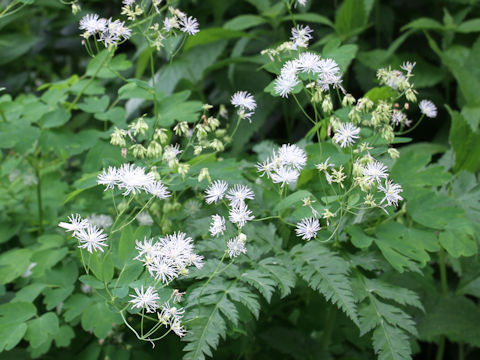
(217, 306)
(327, 273)
(391, 325)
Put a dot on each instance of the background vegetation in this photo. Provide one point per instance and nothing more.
(422, 281)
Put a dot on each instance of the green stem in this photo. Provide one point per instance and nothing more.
(39, 201)
(443, 279)
(329, 324)
(89, 82)
(210, 278)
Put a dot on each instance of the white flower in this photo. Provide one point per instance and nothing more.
(375, 171)
(145, 299)
(170, 153)
(428, 108)
(178, 247)
(170, 23)
(189, 25)
(308, 62)
(285, 84)
(391, 191)
(408, 67)
(301, 35)
(238, 194)
(144, 219)
(91, 238)
(102, 221)
(284, 175)
(133, 179)
(308, 228)
(91, 23)
(108, 177)
(128, 2)
(162, 269)
(325, 165)
(157, 189)
(171, 313)
(147, 248)
(329, 74)
(216, 191)
(240, 214)
(236, 246)
(346, 134)
(177, 328)
(302, 2)
(292, 155)
(118, 29)
(289, 69)
(243, 100)
(398, 117)
(266, 168)
(217, 226)
(76, 223)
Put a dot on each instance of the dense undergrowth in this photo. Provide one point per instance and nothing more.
(239, 179)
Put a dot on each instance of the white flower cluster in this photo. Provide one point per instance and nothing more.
(179, 20)
(132, 179)
(236, 246)
(90, 236)
(239, 213)
(284, 166)
(169, 257)
(111, 32)
(373, 173)
(398, 80)
(326, 72)
(245, 103)
(300, 39)
(169, 315)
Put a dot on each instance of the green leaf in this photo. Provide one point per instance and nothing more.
(126, 245)
(16, 312)
(391, 343)
(211, 35)
(54, 118)
(434, 211)
(64, 336)
(469, 26)
(75, 305)
(381, 93)
(101, 325)
(327, 273)
(175, 107)
(282, 271)
(29, 293)
(465, 143)
(455, 317)
(13, 46)
(10, 335)
(310, 17)
(93, 104)
(424, 24)
(358, 237)
(42, 329)
(403, 246)
(293, 199)
(391, 292)
(343, 55)
(98, 62)
(458, 242)
(351, 17)
(53, 297)
(243, 22)
(101, 266)
(261, 281)
(13, 263)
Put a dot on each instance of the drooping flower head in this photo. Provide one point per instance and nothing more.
(428, 108)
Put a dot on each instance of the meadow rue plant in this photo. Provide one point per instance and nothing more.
(141, 208)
